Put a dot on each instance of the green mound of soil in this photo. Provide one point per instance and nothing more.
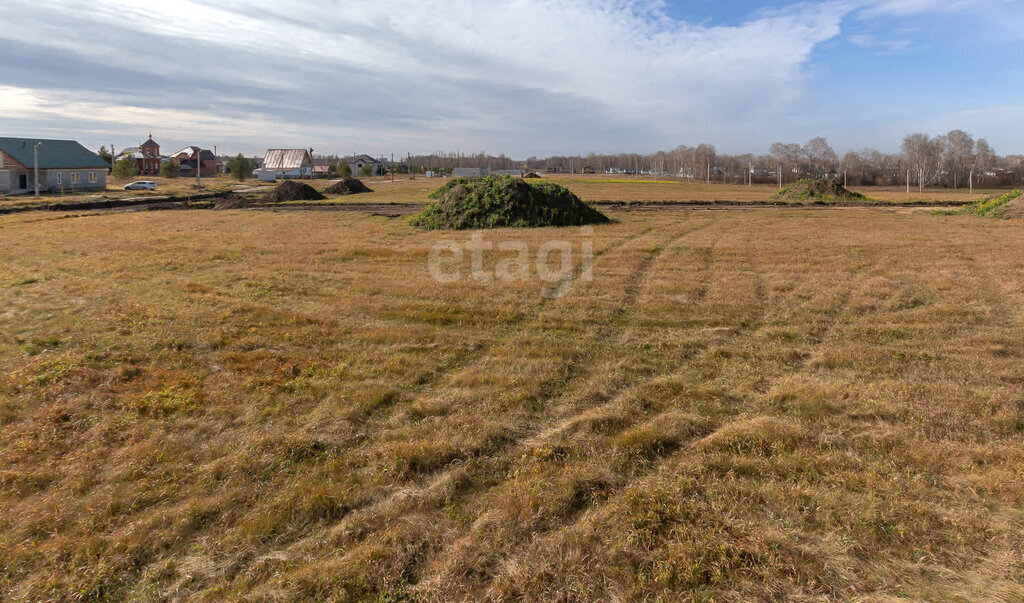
(1008, 206)
(348, 186)
(291, 190)
(499, 201)
(821, 189)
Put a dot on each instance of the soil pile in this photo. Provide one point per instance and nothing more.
(499, 201)
(291, 190)
(232, 201)
(348, 186)
(1008, 206)
(821, 189)
(1014, 209)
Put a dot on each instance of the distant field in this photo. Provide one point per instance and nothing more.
(589, 187)
(605, 188)
(741, 405)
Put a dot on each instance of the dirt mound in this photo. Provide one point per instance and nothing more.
(821, 189)
(348, 186)
(1014, 210)
(499, 201)
(291, 190)
(532, 175)
(1008, 206)
(232, 201)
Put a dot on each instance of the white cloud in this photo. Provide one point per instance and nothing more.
(473, 65)
(520, 76)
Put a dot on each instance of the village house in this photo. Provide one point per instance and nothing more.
(63, 165)
(189, 157)
(471, 172)
(358, 162)
(286, 163)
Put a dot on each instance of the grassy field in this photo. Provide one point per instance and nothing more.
(740, 405)
(592, 188)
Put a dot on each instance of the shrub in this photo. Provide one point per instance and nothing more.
(126, 168)
(169, 169)
(241, 168)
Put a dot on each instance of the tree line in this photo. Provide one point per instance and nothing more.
(954, 160)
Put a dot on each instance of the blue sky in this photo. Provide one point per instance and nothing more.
(523, 77)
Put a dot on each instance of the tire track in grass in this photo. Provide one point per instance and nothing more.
(406, 497)
(628, 305)
(403, 498)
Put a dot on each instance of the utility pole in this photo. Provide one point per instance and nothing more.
(908, 182)
(750, 174)
(199, 168)
(35, 159)
(972, 180)
(392, 170)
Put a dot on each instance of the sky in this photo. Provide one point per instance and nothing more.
(519, 77)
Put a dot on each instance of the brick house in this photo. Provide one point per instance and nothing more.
(189, 157)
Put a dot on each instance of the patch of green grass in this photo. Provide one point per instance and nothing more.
(991, 207)
(21, 282)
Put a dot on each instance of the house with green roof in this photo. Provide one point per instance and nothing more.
(63, 166)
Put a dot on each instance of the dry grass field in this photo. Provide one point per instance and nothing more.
(591, 188)
(740, 405)
(597, 188)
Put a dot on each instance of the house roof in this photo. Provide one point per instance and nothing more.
(190, 152)
(53, 154)
(286, 159)
(149, 143)
(363, 158)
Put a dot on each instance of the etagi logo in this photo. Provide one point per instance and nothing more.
(555, 263)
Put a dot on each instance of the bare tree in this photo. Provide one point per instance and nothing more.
(923, 155)
(785, 155)
(704, 159)
(821, 159)
(958, 155)
(984, 160)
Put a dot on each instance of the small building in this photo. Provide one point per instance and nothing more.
(189, 158)
(287, 163)
(322, 171)
(358, 162)
(473, 172)
(64, 165)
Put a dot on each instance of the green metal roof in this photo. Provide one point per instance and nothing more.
(53, 154)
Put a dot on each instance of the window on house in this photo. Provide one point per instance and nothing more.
(60, 179)
(92, 177)
(74, 177)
